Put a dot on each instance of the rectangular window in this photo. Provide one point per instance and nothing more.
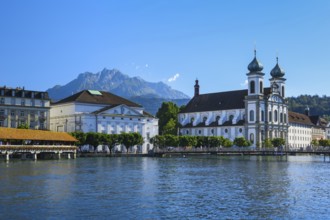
(2, 112)
(22, 102)
(2, 123)
(12, 113)
(13, 101)
(22, 113)
(13, 124)
(2, 101)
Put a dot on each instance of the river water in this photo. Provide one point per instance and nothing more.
(203, 187)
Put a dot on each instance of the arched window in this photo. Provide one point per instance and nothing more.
(281, 117)
(252, 138)
(284, 118)
(251, 115)
(262, 115)
(187, 132)
(231, 117)
(261, 87)
(252, 87)
(283, 90)
(270, 117)
(192, 120)
(275, 115)
(217, 118)
(204, 119)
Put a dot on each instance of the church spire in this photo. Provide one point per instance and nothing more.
(196, 88)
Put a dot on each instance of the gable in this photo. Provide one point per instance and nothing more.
(118, 110)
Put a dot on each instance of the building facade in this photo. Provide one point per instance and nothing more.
(256, 113)
(103, 112)
(24, 107)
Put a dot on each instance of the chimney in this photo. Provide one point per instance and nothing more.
(196, 88)
(307, 111)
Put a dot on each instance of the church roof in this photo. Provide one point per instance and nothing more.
(97, 97)
(218, 101)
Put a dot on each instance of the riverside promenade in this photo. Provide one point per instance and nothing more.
(184, 152)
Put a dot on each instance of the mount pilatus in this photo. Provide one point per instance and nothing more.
(118, 83)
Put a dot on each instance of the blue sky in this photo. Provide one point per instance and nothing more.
(49, 42)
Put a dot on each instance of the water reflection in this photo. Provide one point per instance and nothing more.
(209, 187)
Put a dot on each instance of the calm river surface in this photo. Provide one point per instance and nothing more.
(205, 187)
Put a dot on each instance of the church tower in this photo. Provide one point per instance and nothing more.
(277, 107)
(255, 104)
(277, 81)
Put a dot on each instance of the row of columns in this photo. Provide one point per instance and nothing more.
(34, 155)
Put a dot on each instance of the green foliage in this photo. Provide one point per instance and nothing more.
(267, 143)
(315, 142)
(94, 139)
(277, 142)
(167, 115)
(227, 143)
(171, 140)
(80, 136)
(317, 105)
(241, 142)
(324, 143)
(202, 141)
(216, 141)
(131, 139)
(187, 141)
(23, 126)
(158, 140)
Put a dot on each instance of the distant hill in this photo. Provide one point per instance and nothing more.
(115, 82)
(317, 105)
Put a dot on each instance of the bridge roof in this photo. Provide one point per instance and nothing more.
(36, 135)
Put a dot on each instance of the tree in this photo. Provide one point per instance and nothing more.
(216, 141)
(171, 140)
(315, 142)
(94, 139)
(167, 115)
(131, 139)
(202, 141)
(80, 136)
(187, 141)
(158, 140)
(324, 143)
(112, 140)
(277, 142)
(23, 126)
(267, 143)
(227, 143)
(241, 142)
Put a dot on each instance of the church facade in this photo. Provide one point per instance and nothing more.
(256, 113)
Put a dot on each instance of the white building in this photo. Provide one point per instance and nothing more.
(98, 111)
(256, 113)
(19, 106)
(327, 131)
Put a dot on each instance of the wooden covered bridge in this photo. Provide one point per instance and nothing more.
(26, 142)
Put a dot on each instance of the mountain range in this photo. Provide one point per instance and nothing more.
(115, 82)
(148, 94)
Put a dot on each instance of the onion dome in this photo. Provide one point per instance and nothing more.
(277, 71)
(255, 65)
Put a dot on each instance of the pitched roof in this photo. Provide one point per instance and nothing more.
(104, 98)
(298, 118)
(218, 101)
(318, 121)
(26, 134)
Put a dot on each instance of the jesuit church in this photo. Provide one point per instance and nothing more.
(256, 113)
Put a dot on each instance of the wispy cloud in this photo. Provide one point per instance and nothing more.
(173, 78)
(244, 83)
